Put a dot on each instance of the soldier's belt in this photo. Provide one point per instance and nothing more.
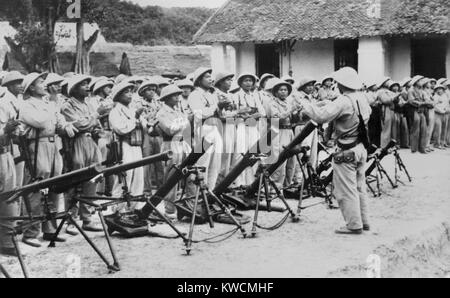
(171, 139)
(84, 134)
(50, 139)
(347, 146)
(286, 126)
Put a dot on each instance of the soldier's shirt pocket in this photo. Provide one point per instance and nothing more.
(347, 156)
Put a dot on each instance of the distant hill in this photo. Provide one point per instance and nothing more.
(124, 21)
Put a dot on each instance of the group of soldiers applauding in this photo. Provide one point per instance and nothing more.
(50, 124)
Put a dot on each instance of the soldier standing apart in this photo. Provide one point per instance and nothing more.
(349, 161)
(446, 131)
(174, 126)
(43, 122)
(130, 125)
(441, 106)
(204, 105)
(227, 112)
(85, 151)
(249, 112)
(8, 130)
(429, 104)
(153, 173)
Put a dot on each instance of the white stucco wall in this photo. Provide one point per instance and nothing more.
(223, 58)
(245, 58)
(310, 59)
(399, 58)
(371, 58)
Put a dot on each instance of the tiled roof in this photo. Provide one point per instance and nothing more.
(276, 20)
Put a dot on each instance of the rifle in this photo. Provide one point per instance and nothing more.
(64, 182)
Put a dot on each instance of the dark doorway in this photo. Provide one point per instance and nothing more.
(346, 53)
(267, 59)
(428, 57)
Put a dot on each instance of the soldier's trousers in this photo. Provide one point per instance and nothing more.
(85, 154)
(418, 133)
(7, 183)
(246, 137)
(349, 182)
(404, 131)
(103, 142)
(134, 178)
(430, 126)
(294, 173)
(212, 158)
(439, 120)
(446, 130)
(229, 140)
(387, 125)
(49, 163)
(283, 138)
(153, 173)
(180, 151)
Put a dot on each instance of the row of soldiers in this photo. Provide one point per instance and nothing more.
(71, 122)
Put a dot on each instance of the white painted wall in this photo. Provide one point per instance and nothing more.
(223, 58)
(371, 58)
(245, 58)
(310, 59)
(399, 58)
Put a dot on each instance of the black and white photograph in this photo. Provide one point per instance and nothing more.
(224, 145)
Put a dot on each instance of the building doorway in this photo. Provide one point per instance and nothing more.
(428, 57)
(346, 53)
(267, 59)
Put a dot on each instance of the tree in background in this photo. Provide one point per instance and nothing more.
(34, 45)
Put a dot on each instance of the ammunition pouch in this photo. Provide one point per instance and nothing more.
(134, 138)
(347, 156)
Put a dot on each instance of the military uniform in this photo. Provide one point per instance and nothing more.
(85, 151)
(8, 179)
(418, 128)
(204, 106)
(43, 122)
(247, 131)
(173, 125)
(131, 132)
(279, 112)
(431, 115)
(349, 179)
(15, 102)
(441, 108)
(227, 116)
(152, 145)
(386, 98)
(299, 121)
(103, 106)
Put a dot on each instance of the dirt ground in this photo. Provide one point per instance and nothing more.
(410, 234)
